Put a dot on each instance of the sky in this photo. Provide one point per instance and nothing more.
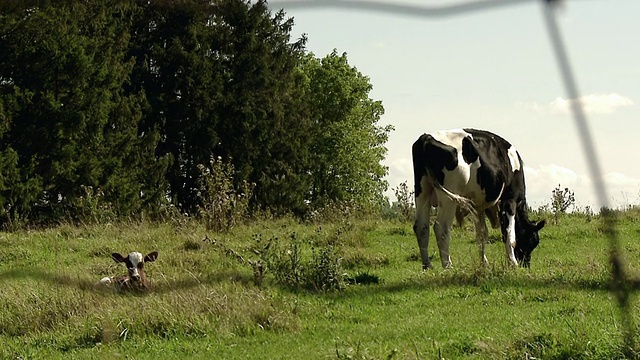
(495, 69)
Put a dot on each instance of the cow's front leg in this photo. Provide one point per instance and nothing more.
(442, 230)
(508, 225)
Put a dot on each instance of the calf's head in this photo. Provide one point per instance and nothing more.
(527, 239)
(135, 266)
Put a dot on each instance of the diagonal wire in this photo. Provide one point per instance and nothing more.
(621, 285)
(422, 11)
(619, 280)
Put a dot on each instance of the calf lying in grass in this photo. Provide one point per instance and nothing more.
(135, 279)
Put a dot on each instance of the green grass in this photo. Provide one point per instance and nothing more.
(205, 302)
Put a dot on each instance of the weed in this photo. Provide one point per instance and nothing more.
(325, 273)
(561, 200)
(404, 203)
(223, 205)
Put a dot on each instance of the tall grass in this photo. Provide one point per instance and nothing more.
(348, 289)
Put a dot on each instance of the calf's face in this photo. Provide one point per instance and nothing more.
(527, 239)
(135, 264)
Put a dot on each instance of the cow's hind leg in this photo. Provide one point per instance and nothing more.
(442, 229)
(482, 235)
(421, 225)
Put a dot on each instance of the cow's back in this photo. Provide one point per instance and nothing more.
(474, 164)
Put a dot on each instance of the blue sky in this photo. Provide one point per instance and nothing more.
(495, 69)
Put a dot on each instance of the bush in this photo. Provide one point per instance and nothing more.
(321, 271)
(404, 203)
(222, 205)
(91, 207)
(561, 200)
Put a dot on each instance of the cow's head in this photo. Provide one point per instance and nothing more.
(527, 239)
(135, 266)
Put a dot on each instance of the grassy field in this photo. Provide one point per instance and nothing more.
(208, 303)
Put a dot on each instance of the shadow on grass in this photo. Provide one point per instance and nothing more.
(45, 276)
(478, 279)
(158, 285)
(414, 281)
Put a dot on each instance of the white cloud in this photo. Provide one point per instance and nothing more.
(553, 173)
(400, 170)
(621, 189)
(542, 180)
(618, 179)
(592, 103)
(532, 106)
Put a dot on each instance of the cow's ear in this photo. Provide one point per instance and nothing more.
(117, 257)
(151, 257)
(540, 225)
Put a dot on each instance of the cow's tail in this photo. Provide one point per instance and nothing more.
(464, 203)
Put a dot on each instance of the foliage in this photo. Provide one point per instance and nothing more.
(322, 271)
(345, 123)
(129, 98)
(561, 200)
(222, 205)
(404, 202)
(68, 121)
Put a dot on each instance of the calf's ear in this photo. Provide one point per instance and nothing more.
(540, 225)
(151, 257)
(117, 257)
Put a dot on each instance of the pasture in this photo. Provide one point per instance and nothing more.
(207, 301)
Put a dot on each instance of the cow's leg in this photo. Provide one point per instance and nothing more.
(442, 229)
(493, 216)
(421, 225)
(482, 235)
(508, 225)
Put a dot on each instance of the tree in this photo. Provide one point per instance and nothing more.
(174, 48)
(264, 127)
(69, 124)
(348, 144)
(120, 105)
(221, 80)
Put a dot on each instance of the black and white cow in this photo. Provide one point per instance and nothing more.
(471, 171)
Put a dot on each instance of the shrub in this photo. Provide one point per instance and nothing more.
(321, 271)
(222, 205)
(404, 203)
(561, 200)
(91, 207)
(325, 273)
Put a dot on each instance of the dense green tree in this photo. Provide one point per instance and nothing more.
(348, 143)
(173, 45)
(119, 105)
(221, 79)
(264, 127)
(70, 125)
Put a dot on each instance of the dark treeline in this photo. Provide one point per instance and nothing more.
(115, 104)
